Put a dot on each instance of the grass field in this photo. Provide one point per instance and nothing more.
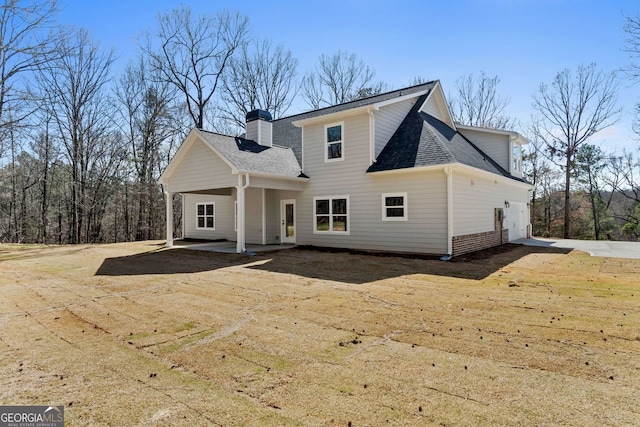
(133, 334)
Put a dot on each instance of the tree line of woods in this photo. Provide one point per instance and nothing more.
(83, 142)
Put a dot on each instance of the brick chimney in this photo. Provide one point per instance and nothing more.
(259, 127)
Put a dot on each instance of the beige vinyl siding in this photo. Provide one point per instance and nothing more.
(475, 197)
(274, 220)
(425, 230)
(224, 217)
(436, 107)
(253, 215)
(494, 145)
(387, 120)
(272, 212)
(201, 169)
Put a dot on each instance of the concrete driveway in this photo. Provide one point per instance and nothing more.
(604, 248)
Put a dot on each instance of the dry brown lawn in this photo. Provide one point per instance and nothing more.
(133, 334)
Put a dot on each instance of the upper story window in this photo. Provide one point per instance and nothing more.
(517, 158)
(205, 216)
(394, 207)
(334, 149)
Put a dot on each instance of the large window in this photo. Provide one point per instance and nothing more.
(205, 216)
(331, 214)
(334, 147)
(394, 207)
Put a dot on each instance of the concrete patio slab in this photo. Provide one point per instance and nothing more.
(228, 247)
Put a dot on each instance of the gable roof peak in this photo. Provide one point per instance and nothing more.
(362, 102)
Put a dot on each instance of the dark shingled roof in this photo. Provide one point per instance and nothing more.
(247, 155)
(423, 140)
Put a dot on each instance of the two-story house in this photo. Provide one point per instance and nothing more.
(391, 172)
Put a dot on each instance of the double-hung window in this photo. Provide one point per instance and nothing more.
(394, 207)
(331, 214)
(334, 143)
(205, 216)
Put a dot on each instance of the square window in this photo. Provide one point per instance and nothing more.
(322, 207)
(331, 215)
(334, 133)
(394, 207)
(205, 216)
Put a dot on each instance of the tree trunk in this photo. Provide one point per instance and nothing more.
(567, 199)
(594, 210)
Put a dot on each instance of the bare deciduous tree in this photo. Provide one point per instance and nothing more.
(147, 120)
(339, 78)
(477, 103)
(263, 77)
(24, 45)
(632, 28)
(194, 52)
(72, 87)
(572, 110)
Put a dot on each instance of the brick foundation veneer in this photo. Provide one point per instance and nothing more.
(478, 241)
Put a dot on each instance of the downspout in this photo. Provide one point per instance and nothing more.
(240, 244)
(372, 136)
(449, 172)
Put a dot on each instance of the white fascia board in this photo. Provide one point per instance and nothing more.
(331, 116)
(411, 170)
(438, 88)
(178, 156)
(381, 104)
(234, 169)
(271, 175)
(191, 138)
(357, 110)
(491, 175)
(513, 135)
(456, 166)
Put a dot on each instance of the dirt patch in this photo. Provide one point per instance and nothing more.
(133, 334)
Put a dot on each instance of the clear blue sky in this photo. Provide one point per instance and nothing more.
(524, 42)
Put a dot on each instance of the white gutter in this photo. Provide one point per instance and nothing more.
(240, 244)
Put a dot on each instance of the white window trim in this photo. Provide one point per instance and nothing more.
(330, 231)
(326, 143)
(404, 206)
(205, 216)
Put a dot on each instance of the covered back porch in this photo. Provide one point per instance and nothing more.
(260, 211)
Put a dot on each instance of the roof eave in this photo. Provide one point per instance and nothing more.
(455, 165)
(271, 175)
(357, 110)
(513, 135)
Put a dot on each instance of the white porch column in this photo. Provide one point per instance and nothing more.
(240, 234)
(169, 214)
